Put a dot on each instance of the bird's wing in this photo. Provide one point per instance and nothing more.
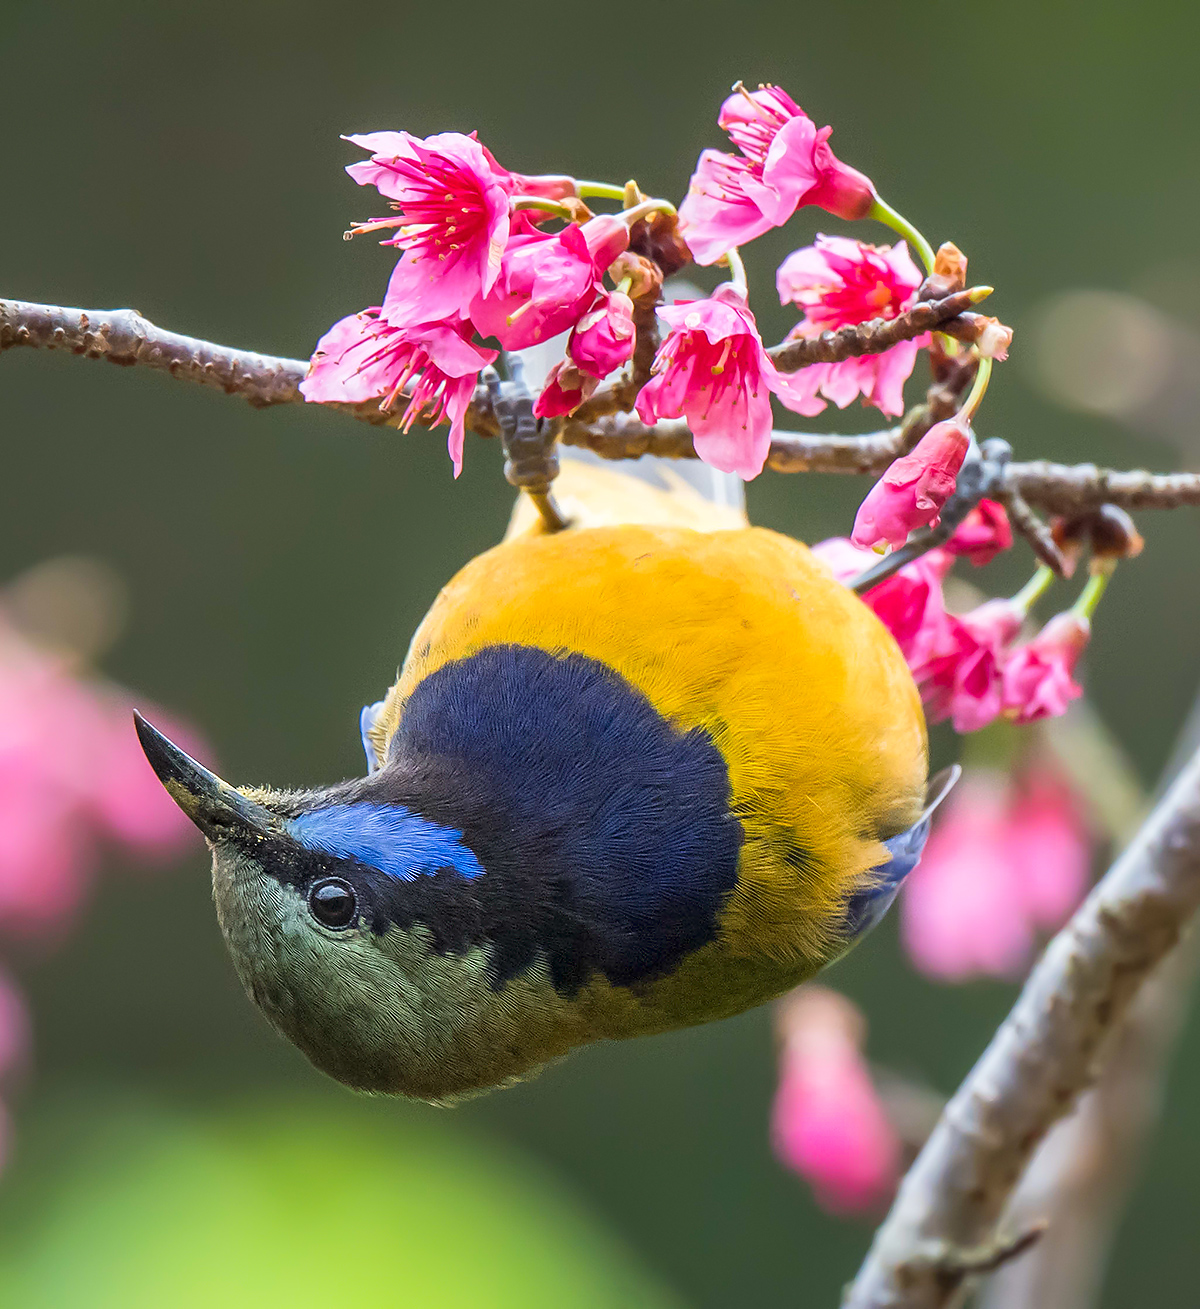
(869, 905)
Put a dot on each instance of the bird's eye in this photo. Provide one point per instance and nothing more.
(333, 902)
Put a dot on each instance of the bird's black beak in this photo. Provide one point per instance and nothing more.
(216, 808)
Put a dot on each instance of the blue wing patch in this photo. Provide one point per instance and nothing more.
(869, 905)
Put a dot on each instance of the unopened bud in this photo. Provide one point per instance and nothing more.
(657, 237)
(645, 278)
(994, 339)
(1109, 531)
(949, 273)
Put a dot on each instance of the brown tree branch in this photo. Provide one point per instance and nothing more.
(1039, 1061)
(123, 336)
(1080, 1174)
(948, 315)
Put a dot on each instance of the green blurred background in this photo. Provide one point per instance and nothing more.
(184, 159)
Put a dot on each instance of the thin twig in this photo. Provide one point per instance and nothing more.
(125, 337)
(1061, 488)
(880, 333)
(1031, 527)
(1044, 1054)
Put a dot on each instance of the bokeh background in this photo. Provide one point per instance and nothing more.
(185, 160)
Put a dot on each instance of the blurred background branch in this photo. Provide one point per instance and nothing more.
(1042, 1057)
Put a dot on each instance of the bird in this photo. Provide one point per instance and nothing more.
(638, 775)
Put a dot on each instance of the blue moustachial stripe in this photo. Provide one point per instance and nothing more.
(387, 837)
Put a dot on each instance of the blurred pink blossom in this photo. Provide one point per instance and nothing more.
(827, 1121)
(784, 162)
(70, 779)
(1001, 863)
(913, 490)
(837, 282)
(14, 1028)
(363, 357)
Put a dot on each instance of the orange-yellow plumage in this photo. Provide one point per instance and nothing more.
(741, 632)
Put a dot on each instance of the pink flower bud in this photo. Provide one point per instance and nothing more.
(913, 490)
(603, 339)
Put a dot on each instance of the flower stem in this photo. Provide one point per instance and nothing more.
(1089, 597)
(884, 213)
(737, 270)
(978, 390)
(599, 191)
(538, 202)
(1034, 589)
(638, 212)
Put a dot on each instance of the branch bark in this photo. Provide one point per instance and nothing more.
(1039, 1061)
(949, 315)
(123, 336)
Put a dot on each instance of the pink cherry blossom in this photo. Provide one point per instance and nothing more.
(913, 490)
(827, 1122)
(603, 339)
(983, 534)
(548, 282)
(565, 389)
(1049, 842)
(454, 219)
(962, 911)
(1039, 679)
(1002, 863)
(961, 677)
(785, 162)
(838, 282)
(713, 371)
(363, 357)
